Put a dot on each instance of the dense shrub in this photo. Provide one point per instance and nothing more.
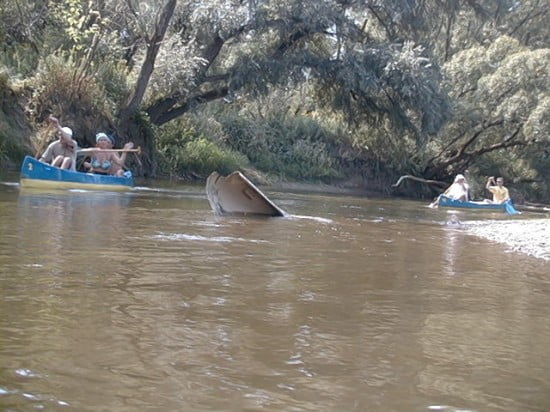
(56, 89)
(184, 152)
(286, 146)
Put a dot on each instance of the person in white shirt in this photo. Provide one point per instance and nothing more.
(459, 189)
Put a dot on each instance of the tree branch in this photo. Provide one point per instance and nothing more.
(183, 108)
(419, 179)
(466, 157)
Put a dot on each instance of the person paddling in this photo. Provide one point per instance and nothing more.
(62, 152)
(500, 193)
(105, 161)
(457, 191)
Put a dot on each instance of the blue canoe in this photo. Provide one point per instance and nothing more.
(507, 207)
(42, 175)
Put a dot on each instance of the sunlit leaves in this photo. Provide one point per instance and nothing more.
(504, 80)
(537, 125)
(72, 16)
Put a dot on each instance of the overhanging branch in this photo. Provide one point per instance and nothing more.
(184, 108)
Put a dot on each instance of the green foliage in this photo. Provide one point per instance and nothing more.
(59, 87)
(276, 142)
(526, 173)
(184, 152)
(21, 60)
(501, 110)
(112, 77)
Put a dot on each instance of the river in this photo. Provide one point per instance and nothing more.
(148, 301)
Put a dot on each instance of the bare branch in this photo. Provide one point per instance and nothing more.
(419, 179)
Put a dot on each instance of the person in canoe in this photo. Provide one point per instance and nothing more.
(118, 167)
(62, 152)
(500, 193)
(107, 162)
(457, 191)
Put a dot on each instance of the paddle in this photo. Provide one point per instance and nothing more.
(95, 149)
(510, 209)
(434, 204)
(43, 140)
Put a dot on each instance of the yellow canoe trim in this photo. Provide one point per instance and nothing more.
(52, 184)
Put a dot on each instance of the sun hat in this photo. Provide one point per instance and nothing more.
(100, 136)
(105, 136)
(67, 131)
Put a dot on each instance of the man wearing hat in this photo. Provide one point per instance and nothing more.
(62, 152)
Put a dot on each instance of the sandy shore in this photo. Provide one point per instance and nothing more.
(526, 236)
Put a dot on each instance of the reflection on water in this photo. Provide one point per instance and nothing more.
(147, 301)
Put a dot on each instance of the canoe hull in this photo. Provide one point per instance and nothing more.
(36, 174)
(236, 195)
(445, 201)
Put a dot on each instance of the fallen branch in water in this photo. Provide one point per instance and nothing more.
(419, 179)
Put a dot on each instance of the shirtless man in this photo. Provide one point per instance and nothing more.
(62, 152)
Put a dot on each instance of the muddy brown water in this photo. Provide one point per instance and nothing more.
(147, 301)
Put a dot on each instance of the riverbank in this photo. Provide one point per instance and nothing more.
(526, 236)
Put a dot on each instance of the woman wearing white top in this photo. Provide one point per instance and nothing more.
(459, 189)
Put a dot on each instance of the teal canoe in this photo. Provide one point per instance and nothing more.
(37, 174)
(507, 207)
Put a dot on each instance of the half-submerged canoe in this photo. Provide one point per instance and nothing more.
(37, 174)
(236, 195)
(445, 201)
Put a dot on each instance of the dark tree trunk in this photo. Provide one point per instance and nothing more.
(148, 66)
(141, 135)
(130, 127)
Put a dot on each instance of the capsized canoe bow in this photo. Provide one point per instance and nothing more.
(37, 174)
(236, 195)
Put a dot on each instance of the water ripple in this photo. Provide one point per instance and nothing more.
(222, 239)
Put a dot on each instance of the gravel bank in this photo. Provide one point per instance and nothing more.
(527, 236)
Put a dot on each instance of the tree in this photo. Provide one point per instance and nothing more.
(154, 42)
(243, 50)
(502, 99)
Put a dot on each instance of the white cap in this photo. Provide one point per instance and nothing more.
(459, 177)
(67, 131)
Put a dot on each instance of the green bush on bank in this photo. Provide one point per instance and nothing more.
(184, 152)
(289, 147)
(59, 86)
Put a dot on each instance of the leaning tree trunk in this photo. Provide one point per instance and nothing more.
(130, 126)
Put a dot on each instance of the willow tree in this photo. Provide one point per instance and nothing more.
(232, 50)
(502, 106)
(182, 56)
(494, 56)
